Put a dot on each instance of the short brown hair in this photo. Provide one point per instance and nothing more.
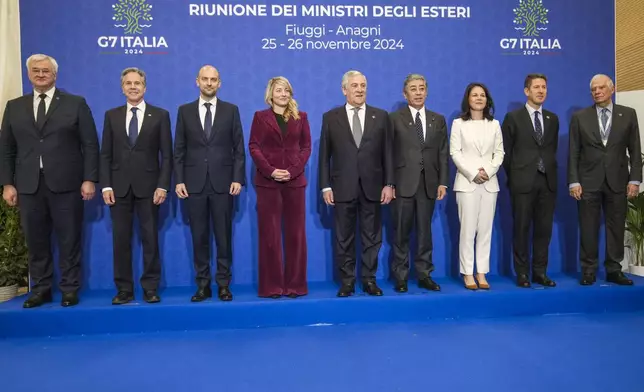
(533, 76)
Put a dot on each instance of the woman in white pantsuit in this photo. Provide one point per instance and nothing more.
(476, 146)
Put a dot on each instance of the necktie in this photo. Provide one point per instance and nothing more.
(133, 128)
(42, 112)
(604, 118)
(357, 128)
(207, 122)
(419, 132)
(538, 132)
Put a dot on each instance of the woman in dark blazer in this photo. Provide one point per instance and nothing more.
(280, 145)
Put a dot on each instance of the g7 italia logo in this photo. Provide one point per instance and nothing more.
(531, 26)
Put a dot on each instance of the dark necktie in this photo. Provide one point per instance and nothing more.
(42, 112)
(538, 132)
(133, 128)
(207, 122)
(419, 133)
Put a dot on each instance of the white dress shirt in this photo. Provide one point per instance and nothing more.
(139, 116)
(50, 96)
(202, 110)
(423, 120)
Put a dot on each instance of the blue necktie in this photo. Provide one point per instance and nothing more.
(133, 129)
(538, 131)
(604, 118)
(207, 122)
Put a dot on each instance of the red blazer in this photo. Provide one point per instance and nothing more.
(270, 150)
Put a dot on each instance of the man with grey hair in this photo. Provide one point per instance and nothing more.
(133, 178)
(355, 175)
(420, 154)
(599, 177)
(48, 165)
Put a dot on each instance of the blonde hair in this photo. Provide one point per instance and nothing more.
(291, 107)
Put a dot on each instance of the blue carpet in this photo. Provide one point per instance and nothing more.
(95, 314)
(598, 352)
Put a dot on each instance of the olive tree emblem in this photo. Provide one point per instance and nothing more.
(528, 15)
(133, 12)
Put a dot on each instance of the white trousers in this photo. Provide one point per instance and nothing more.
(476, 213)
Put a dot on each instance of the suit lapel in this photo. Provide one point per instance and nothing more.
(547, 126)
(344, 123)
(216, 121)
(369, 120)
(196, 117)
(120, 126)
(526, 120)
(30, 110)
(148, 118)
(269, 117)
(616, 123)
(591, 117)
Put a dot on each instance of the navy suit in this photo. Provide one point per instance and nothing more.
(207, 167)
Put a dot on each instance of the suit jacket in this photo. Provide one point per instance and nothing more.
(345, 167)
(138, 167)
(522, 150)
(271, 150)
(474, 145)
(408, 151)
(221, 156)
(590, 162)
(67, 143)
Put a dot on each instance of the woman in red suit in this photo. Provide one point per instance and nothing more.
(280, 145)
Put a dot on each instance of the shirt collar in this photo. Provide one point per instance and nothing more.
(140, 106)
(350, 107)
(531, 110)
(414, 111)
(609, 107)
(213, 101)
(49, 93)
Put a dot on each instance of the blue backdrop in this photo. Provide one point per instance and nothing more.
(493, 41)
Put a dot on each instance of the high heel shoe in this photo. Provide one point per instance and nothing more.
(471, 286)
(482, 286)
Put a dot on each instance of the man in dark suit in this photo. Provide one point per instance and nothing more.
(530, 139)
(210, 168)
(420, 161)
(134, 135)
(599, 177)
(356, 176)
(48, 153)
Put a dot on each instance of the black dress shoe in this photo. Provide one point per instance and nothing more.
(294, 295)
(225, 294)
(543, 280)
(372, 288)
(69, 299)
(37, 299)
(619, 278)
(151, 297)
(400, 287)
(346, 290)
(523, 281)
(587, 279)
(202, 294)
(429, 284)
(122, 297)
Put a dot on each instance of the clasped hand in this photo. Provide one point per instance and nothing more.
(281, 175)
(481, 177)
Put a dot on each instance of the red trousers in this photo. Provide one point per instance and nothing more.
(279, 208)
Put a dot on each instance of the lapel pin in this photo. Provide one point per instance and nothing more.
(373, 116)
(409, 124)
(149, 115)
(619, 114)
(548, 117)
(430, 125)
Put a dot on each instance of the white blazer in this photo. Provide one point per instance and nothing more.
(476, 144)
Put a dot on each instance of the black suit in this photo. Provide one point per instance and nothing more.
(207, 166)
(603, 172)
(356, 176)
(50, 198)
(134, 173)
(533, 191)
(420, 168)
